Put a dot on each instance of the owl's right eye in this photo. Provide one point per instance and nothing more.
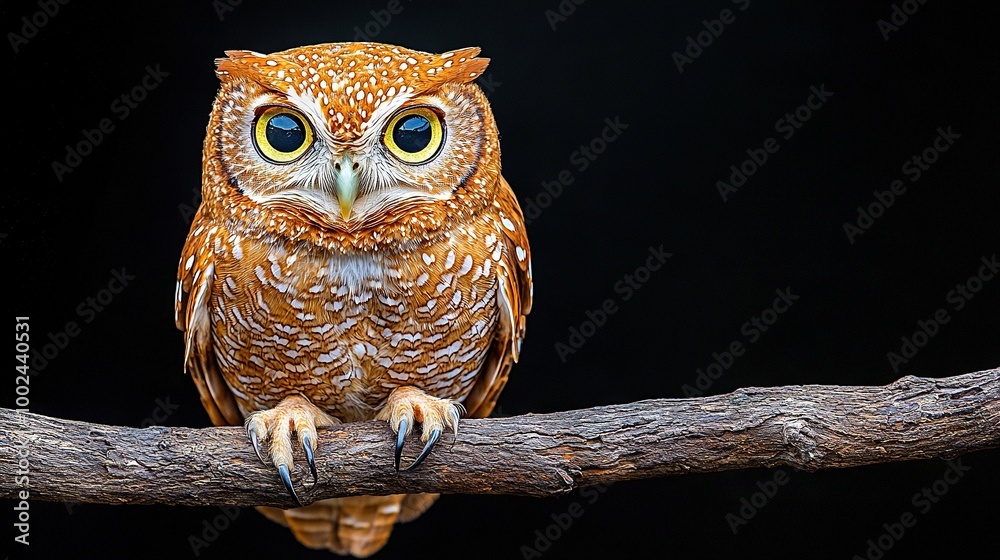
(281, 135)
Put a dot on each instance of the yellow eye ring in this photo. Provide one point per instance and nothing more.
(414, 135)
(281, 135)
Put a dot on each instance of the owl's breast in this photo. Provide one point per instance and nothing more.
(344, 330)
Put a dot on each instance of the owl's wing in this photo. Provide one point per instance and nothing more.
(514, 298)
(195, 276)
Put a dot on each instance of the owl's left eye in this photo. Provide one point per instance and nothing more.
(414, 135)
(281, 135)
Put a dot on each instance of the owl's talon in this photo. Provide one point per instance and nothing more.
(408, 406)
(307, 446)
(454, 414)
(287, 479)
(277, 428)
(252, 432)
(400, 438)
(435, 435)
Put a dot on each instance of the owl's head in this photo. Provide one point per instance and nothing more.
(362, 142)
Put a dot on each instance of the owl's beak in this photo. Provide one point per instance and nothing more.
(347, 184)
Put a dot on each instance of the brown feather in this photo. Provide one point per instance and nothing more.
(216, 396)
(505, 348)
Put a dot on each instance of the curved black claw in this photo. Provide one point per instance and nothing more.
(307, 445)
(252, 432)
(435, 435)
(287, 479)
(400, 438)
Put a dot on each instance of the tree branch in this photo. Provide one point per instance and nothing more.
(806, 427)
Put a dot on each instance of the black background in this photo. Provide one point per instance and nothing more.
(124, 206)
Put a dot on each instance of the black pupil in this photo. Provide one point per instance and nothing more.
(412, 133)
(285, 133)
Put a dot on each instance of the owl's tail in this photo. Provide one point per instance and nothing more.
(357, 526)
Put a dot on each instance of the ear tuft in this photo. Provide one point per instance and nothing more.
(461, 65)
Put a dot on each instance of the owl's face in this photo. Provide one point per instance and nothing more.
(351, 137)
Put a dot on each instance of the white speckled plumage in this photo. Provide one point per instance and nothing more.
(420, 291)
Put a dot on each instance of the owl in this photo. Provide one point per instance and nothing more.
(357, 255)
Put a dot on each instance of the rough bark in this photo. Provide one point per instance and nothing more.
(806, 427)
